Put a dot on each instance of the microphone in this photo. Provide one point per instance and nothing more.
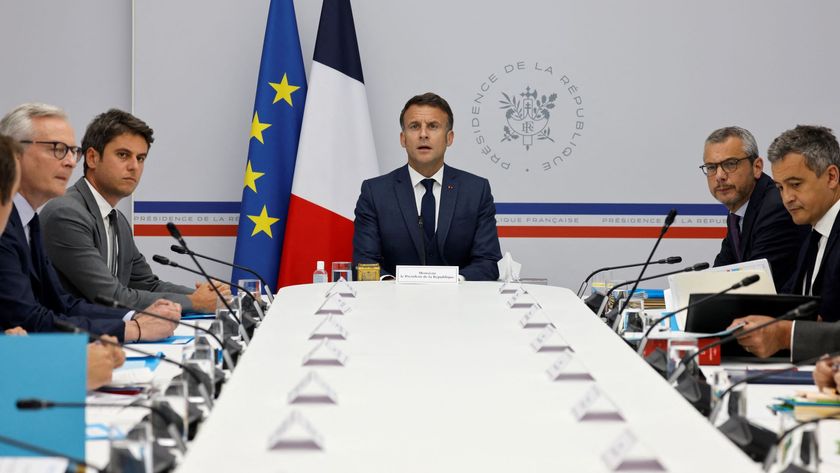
(169, 417)
(669, 220)
(108, 302)
(48, 453)
(687, 269)
(176, 234)
(749, 280)
(182, 251)
(668, 260)
(166, 261)
(804, 310)
(202, 387)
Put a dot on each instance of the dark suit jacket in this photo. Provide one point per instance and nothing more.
(36, 303)
(812, 339)
(387, 231)
(76, 242)
(768, 232)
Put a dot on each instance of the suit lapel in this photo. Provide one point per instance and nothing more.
(90, 203)
(408, 207)
(756, 199)
(448, 198)
(15, 227)
(829, 245)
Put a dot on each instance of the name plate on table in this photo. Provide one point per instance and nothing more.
(427, 275)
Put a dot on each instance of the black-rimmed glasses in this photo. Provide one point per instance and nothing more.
(728, 165)
(60, 149)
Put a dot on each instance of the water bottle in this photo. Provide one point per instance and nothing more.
(319, 275)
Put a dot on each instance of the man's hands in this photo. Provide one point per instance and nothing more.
(767, 341)
(15, 331)
(204, 298)
(144, 327)
(102, 359)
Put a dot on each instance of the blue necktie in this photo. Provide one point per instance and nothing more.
(427, 209)
(36, 248)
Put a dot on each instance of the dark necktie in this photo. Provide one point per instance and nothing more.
(112, 241)
(735, 232)
(427, 209)
(810, 260)
(36, 248)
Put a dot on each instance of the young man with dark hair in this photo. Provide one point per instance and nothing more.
(90, 242)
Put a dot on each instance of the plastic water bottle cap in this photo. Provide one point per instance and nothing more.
(319, 265)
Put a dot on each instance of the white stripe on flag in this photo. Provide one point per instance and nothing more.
(336, 151)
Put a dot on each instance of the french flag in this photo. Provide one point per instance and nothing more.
(336, 151)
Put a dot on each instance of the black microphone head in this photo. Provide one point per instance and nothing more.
(749, 280)
(673, 259)
(669, 219)
(178, 249)
(67, 327)
(31, 403)
(807, 309)
(700, 266)
(160, 259)
(106, 301)
(173, 230)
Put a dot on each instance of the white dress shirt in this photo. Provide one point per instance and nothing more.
(104, 209)
(420, 189)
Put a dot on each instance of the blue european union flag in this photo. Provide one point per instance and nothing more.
(275, 130)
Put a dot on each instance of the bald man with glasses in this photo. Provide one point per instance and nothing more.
(758, 226)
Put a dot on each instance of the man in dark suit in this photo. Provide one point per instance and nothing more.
(31, 296)
(806, 168)
(427, 213)
(758, 226)
(90, 242)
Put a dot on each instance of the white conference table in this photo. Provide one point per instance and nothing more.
(444, 378)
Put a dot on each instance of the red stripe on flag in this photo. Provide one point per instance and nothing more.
(187, 230)
(313, 233)
(609, 232)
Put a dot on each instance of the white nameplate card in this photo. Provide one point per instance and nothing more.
(334, 304)
(342, 288)
(559, 365)
(549, 340)
(329, 328)
(594, 405)
(509, 287)
(535, 318)
(427, 275)
(313, 390)
(614, 456)
(325, 354)
(295, 433)
(521, 299)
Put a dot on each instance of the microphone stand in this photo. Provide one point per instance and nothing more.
(582, 288)
(181, 250)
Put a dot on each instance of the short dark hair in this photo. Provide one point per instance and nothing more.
(817, 143)
(10, 150)
(111, 124)
(430, 99)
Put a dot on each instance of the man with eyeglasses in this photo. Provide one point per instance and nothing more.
(31, 296)
(90, 242)
(758, 226)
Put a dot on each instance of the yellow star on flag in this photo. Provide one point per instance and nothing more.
(263, 223)
(251, 177)
(284, 90)
(257, 128)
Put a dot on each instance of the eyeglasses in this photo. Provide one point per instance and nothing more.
(728, 166)
(60, 149)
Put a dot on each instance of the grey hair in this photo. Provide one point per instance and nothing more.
(17, 124)
(817, 143)
(722, 134)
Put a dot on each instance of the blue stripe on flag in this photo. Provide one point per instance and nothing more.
(336, 45)
(152, 207)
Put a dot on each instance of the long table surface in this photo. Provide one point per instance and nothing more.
(444, 378)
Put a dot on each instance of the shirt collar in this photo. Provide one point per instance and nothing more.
(416, 177)
(24, 210)
(825, 223)
(742, 210)
(104, 207)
